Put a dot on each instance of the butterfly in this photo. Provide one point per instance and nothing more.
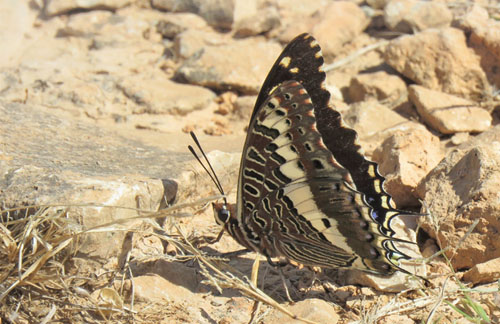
(305, 191)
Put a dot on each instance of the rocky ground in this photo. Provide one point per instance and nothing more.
(96, 102)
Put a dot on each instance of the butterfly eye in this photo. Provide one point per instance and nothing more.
(223, 216)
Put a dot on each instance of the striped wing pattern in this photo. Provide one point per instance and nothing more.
(305, 190)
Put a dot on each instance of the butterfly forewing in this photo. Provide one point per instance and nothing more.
(305, 190)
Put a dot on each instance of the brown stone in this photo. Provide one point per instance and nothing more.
(439, 59)
(485, 272)
(378, 85)
(462, 188)
(448, 114)
(315, 310)
(484, 39)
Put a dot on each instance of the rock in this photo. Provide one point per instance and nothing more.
(241, 65)
(459, 138)
(50, 158)
(265, 20)
(404, 159)
(439, 59)
(298, 16)
(243, 106)
(467, 187)
(373, 122)
(16, 21)
(448, 114)
(484, 39)
(377, 4)
(155, 94)
(176, 273)
(173, 24)
(193, 41)
(378, 85)
(155, 288)
(409, 16)
(315, 310)
(485, 272)
(346, 19)
(217, 13)
(58, 7)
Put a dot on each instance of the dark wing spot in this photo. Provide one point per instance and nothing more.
(280, 112)
(318, 165)
(295, 105)
(308, 147)
(278, 158)
(288, 96)
(293, 148)
(271, 105)
(300, 165)
(271, 147)
(251, 190)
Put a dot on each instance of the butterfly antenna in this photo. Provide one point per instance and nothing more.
(212, 174)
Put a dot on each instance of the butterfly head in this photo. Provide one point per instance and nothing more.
(222, 213)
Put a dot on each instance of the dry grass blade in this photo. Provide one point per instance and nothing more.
(36, 242)
(225, 279)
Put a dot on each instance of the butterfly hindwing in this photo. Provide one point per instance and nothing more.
(305, 190)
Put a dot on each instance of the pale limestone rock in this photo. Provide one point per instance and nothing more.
(241, 65)
(170, 25)
(404, 159)
(439, 59)
(449, 114)
(217, 13)
(408, 16)
(373, 122)
(55, 159)
(193, 41)
(155, 94)
(262, 22)
(16, 22)
(343, 17)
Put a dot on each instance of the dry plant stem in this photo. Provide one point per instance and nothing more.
(439, 301)
(354, 56)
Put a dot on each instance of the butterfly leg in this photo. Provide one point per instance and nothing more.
(217, 239)
(279, 265)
